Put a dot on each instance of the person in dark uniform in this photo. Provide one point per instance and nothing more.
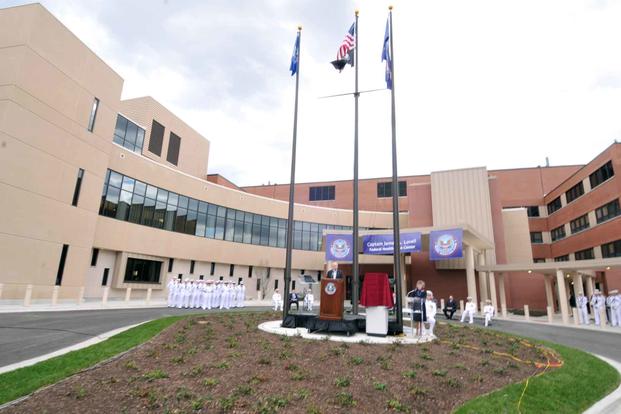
(294, 299)
(450, 308)
(334, 272)
(419, 313)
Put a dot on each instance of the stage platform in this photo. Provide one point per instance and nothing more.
(349, 325)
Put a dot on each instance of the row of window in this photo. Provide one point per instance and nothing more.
(328, 192)
(600, 175)
(127, 199)
(156, 141)
(612, 249)
(128, 134)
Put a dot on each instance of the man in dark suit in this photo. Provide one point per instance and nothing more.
(294, 300)
(450, 308)
(334, 272)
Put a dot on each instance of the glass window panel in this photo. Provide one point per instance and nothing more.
(151, 191)
(247, 233)
(282, 223)
(213, 209)
(248, 218)
(130, 146)
(273, 236)
(132, 131)
(112, 201)
(193, 204)
(202, 207)
(140, 139)
(256, 234)
(162, 195)
(136, 208)
(297, 225)
(128, 184)
(107, 176)
(121, 124)
(140, 188)
(230, 230)
(115, 179)
(147, 212)
(171, 214)
(305, 226)
(314, 241)
(282, 237)
(306, 240)
(239, 215)
(314, 227)
(190, 224)
(118, 140)
(219, 228)
(183, 201)
(158, 217)
(210, 231)
(221, 211)
(297, 239)
(273, 222)
(265, 221)
(180, 220)
(239, 231)
(173, 199)
(124, 203)
(201, 223)
(265, 235)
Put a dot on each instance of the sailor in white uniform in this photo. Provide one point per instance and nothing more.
(488, 311)
(598, 302)
(431, 309)
(172, 285)
(583, 313)
(241, 295)
(277, 300)
(471, 308)
(614, 300)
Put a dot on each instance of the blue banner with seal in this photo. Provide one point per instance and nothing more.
(385, 243)
(339, 247)
(446, 244)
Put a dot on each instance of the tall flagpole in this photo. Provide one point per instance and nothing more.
(395, 191)
(355, 276)
(289, 246)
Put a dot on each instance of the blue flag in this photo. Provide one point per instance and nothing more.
(386, 56)
(295, 58)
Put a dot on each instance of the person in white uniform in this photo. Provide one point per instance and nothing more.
(171, 292)
(471, 308)
(488, 311)
(583, 312)
(431, 309)
(309, 299)
(234, 290)
(184, 294)
(598, 303)
(208, 294)
(277, 300)
(614, 301)
(224, 295)
(241, 295)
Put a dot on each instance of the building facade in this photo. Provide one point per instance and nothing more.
(99, 194)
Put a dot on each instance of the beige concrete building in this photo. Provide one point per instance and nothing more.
(99, 194)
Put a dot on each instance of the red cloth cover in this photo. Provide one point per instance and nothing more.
(376, 291)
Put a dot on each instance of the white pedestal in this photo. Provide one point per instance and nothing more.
(377, 320)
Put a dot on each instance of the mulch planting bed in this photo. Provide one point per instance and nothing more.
(223, 363)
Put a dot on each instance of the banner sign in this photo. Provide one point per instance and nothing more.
(385, 243)
(339, 247)
(445, 244)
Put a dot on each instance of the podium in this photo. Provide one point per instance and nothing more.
(332, 297)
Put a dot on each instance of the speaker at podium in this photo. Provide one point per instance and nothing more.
(332, 299)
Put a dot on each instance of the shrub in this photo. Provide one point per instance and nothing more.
(342, 382)
(211, 382)
(440, 373)
(131, 365)
(394, 404)
(345, 399)
(155, 374)
(379, 386)
(409, 374)
(356, 360)
(183, 394)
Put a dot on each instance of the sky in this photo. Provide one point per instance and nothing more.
(498, 83)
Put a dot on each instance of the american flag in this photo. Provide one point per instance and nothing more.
(348, 45)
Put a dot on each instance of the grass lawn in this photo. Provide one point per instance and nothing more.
(582, 381)
(25, 380)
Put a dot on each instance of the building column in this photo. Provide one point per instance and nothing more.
(578, 284)
(470, 277)
(503, 294)
(562, 296)
(492, 290)
(549, 294)
(589, 286)
(483, 279)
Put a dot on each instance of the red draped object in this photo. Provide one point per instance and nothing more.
(376, 291)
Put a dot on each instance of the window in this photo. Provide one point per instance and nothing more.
(174, 144)
(142, 271)
(156, 139)
(536, 237)
(94, 256)
(532, 211)
(78, 185)
(574, 192)
(171, 261)
(201, 277)
(293, 285)
(321, 193)
(128, 199)
(192, 264)
(249, 272)
(104, 279)
(128, 134)
(579, 224)
(563, 258)
(607, 211)
(539, 260)
(213, 269)
(180, 276)
(554, 205)
(602, 174)
(558, 233)
(318, 275)
(231, 269)
(61, 264)
(258, 284)
(612, 249)
(275, 283)
(221, 277)
(93, 116)
(585, 254)
(385, 189)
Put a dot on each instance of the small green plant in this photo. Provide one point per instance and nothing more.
(80, 393)
(379, 386)
(195, 371)
(227, 403)
(178, 359)
(243, 390)
(342, 382)
(183, 393)
(455, 346)
(500, 371)
(394, 404)
(232, 342)
(131, 365)
(484, 362)
(264, 361)
(459, 365)
(298, 376)
(356, 360)
(155, 374)
(180, 338)
(409, 374)
(439, 373)
(418, 392)
(453, 383)
(198, 404)
(192, 351)
(301, 394)
(284, 355)
(223, 365)
(313, 409)
(338, 351)
(256, 380)
(211, 382)
(292, 367)
(345, 399)
(426, 357)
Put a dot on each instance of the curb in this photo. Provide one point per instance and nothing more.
(84, 344)
(609, 404)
